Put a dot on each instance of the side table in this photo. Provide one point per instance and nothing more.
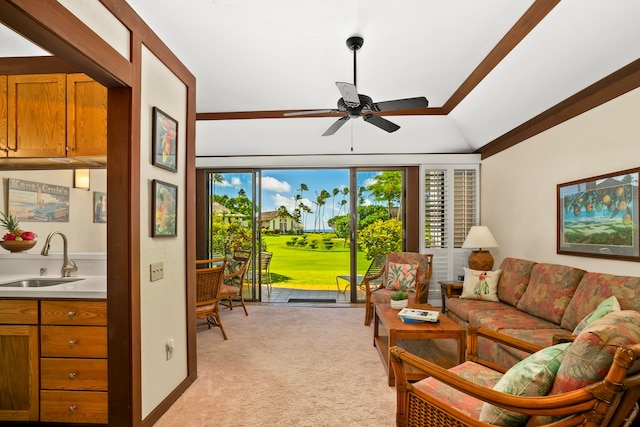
(449, 289)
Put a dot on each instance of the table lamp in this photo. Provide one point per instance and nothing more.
(480, 237)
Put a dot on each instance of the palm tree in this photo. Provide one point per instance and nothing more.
(216, 177)
(283, 214)
(343, 202)
(336, 191)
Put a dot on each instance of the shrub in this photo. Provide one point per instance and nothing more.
(381, 237)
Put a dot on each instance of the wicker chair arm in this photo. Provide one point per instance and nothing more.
(366, 281)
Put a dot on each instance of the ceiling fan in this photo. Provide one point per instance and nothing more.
(359, 105)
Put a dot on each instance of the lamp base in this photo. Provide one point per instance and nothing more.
(480, 260)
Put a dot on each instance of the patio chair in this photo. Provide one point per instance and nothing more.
(234, 280)
(374, 268)
(379, 292)
(209, 275)
(263, 272)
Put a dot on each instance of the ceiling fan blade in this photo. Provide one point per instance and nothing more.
(309, 112)
(381, 122)
(336, 125)
(349, 93)
(401, 104)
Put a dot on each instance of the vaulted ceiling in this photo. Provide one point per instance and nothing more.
(495, 72)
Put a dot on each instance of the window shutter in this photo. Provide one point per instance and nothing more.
(464, 204)
(435, 209)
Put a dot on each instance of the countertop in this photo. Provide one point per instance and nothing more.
(91, 287)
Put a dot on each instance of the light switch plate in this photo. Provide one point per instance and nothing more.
(156, 271)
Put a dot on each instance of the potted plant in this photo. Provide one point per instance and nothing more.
(16, 239)
(399, 299)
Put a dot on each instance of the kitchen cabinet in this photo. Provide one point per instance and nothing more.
(54, 115)
(73, 363)
(86, 116)
(19, 360)
(36, 115)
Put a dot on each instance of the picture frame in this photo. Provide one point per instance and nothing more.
(99, 207)
(164, 205)
(598, 216)
(164, 141)
(33, 201)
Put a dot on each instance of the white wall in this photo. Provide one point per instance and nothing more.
(518, 186)
(163, 302)
(82, 233)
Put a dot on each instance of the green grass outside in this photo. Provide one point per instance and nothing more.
(303, 268)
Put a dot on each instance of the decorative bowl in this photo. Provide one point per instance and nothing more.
(17, 245)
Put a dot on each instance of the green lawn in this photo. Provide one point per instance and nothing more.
(302, 267)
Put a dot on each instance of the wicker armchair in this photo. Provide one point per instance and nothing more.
(376, 291)
(234, 280)
(209, 275)
(609, 402)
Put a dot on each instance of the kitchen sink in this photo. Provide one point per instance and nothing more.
(39, 283)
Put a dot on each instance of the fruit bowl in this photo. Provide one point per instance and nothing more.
(17, 245)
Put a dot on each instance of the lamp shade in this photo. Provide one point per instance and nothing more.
(479, 237)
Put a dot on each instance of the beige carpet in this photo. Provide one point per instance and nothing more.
(287, 366)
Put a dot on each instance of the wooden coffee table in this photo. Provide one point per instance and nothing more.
(386, 321)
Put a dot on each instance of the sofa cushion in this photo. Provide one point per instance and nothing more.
(401, 276)
(461, 307)
(595, 287)
(550, 290)
(605, 307)
(512, 319)
(480, 285)
(468, 404)
(514, 279)
(530, 377)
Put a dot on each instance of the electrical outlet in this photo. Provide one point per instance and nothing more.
(170, 347)
(157, 271)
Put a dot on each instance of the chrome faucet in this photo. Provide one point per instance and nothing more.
(68, 267)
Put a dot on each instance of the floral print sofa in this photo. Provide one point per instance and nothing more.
(539, 303)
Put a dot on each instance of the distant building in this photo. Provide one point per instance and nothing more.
(225, 212)
(273, 222)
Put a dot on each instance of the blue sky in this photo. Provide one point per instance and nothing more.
(279, 188)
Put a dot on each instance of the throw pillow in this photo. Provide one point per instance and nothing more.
(607, 306)
(530, 377)
(480, 284)
(401, 276)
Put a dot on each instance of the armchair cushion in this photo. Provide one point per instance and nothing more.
(401, 276)
(590, 356)
(480, 284)
(532, 376)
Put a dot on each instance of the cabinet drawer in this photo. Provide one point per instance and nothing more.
(73, 406)
(73, 374)
(73, 341)
(73, 312)
(19, 312)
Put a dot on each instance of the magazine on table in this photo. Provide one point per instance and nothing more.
(412, 315)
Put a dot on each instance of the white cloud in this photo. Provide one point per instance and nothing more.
(280, 200)
(271, 184)
(236, 182)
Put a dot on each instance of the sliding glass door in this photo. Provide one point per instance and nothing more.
(319, 229)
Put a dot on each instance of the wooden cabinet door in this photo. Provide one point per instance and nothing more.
(86, 116)
(36, 115)
(3, 116)
(19, 388)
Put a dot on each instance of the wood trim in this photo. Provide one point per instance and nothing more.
(60, 32)
(604, 90)
(35, 65)
(412, 208)
(514, 36)
(201, 214)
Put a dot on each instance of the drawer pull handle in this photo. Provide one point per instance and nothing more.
(72, 409)
(72, 314)
(72, 375)
(72, 343)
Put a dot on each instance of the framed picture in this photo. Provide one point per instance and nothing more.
(37, 201)
(598, 216)
(165, 141)
(164, 209)
(99, 207)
